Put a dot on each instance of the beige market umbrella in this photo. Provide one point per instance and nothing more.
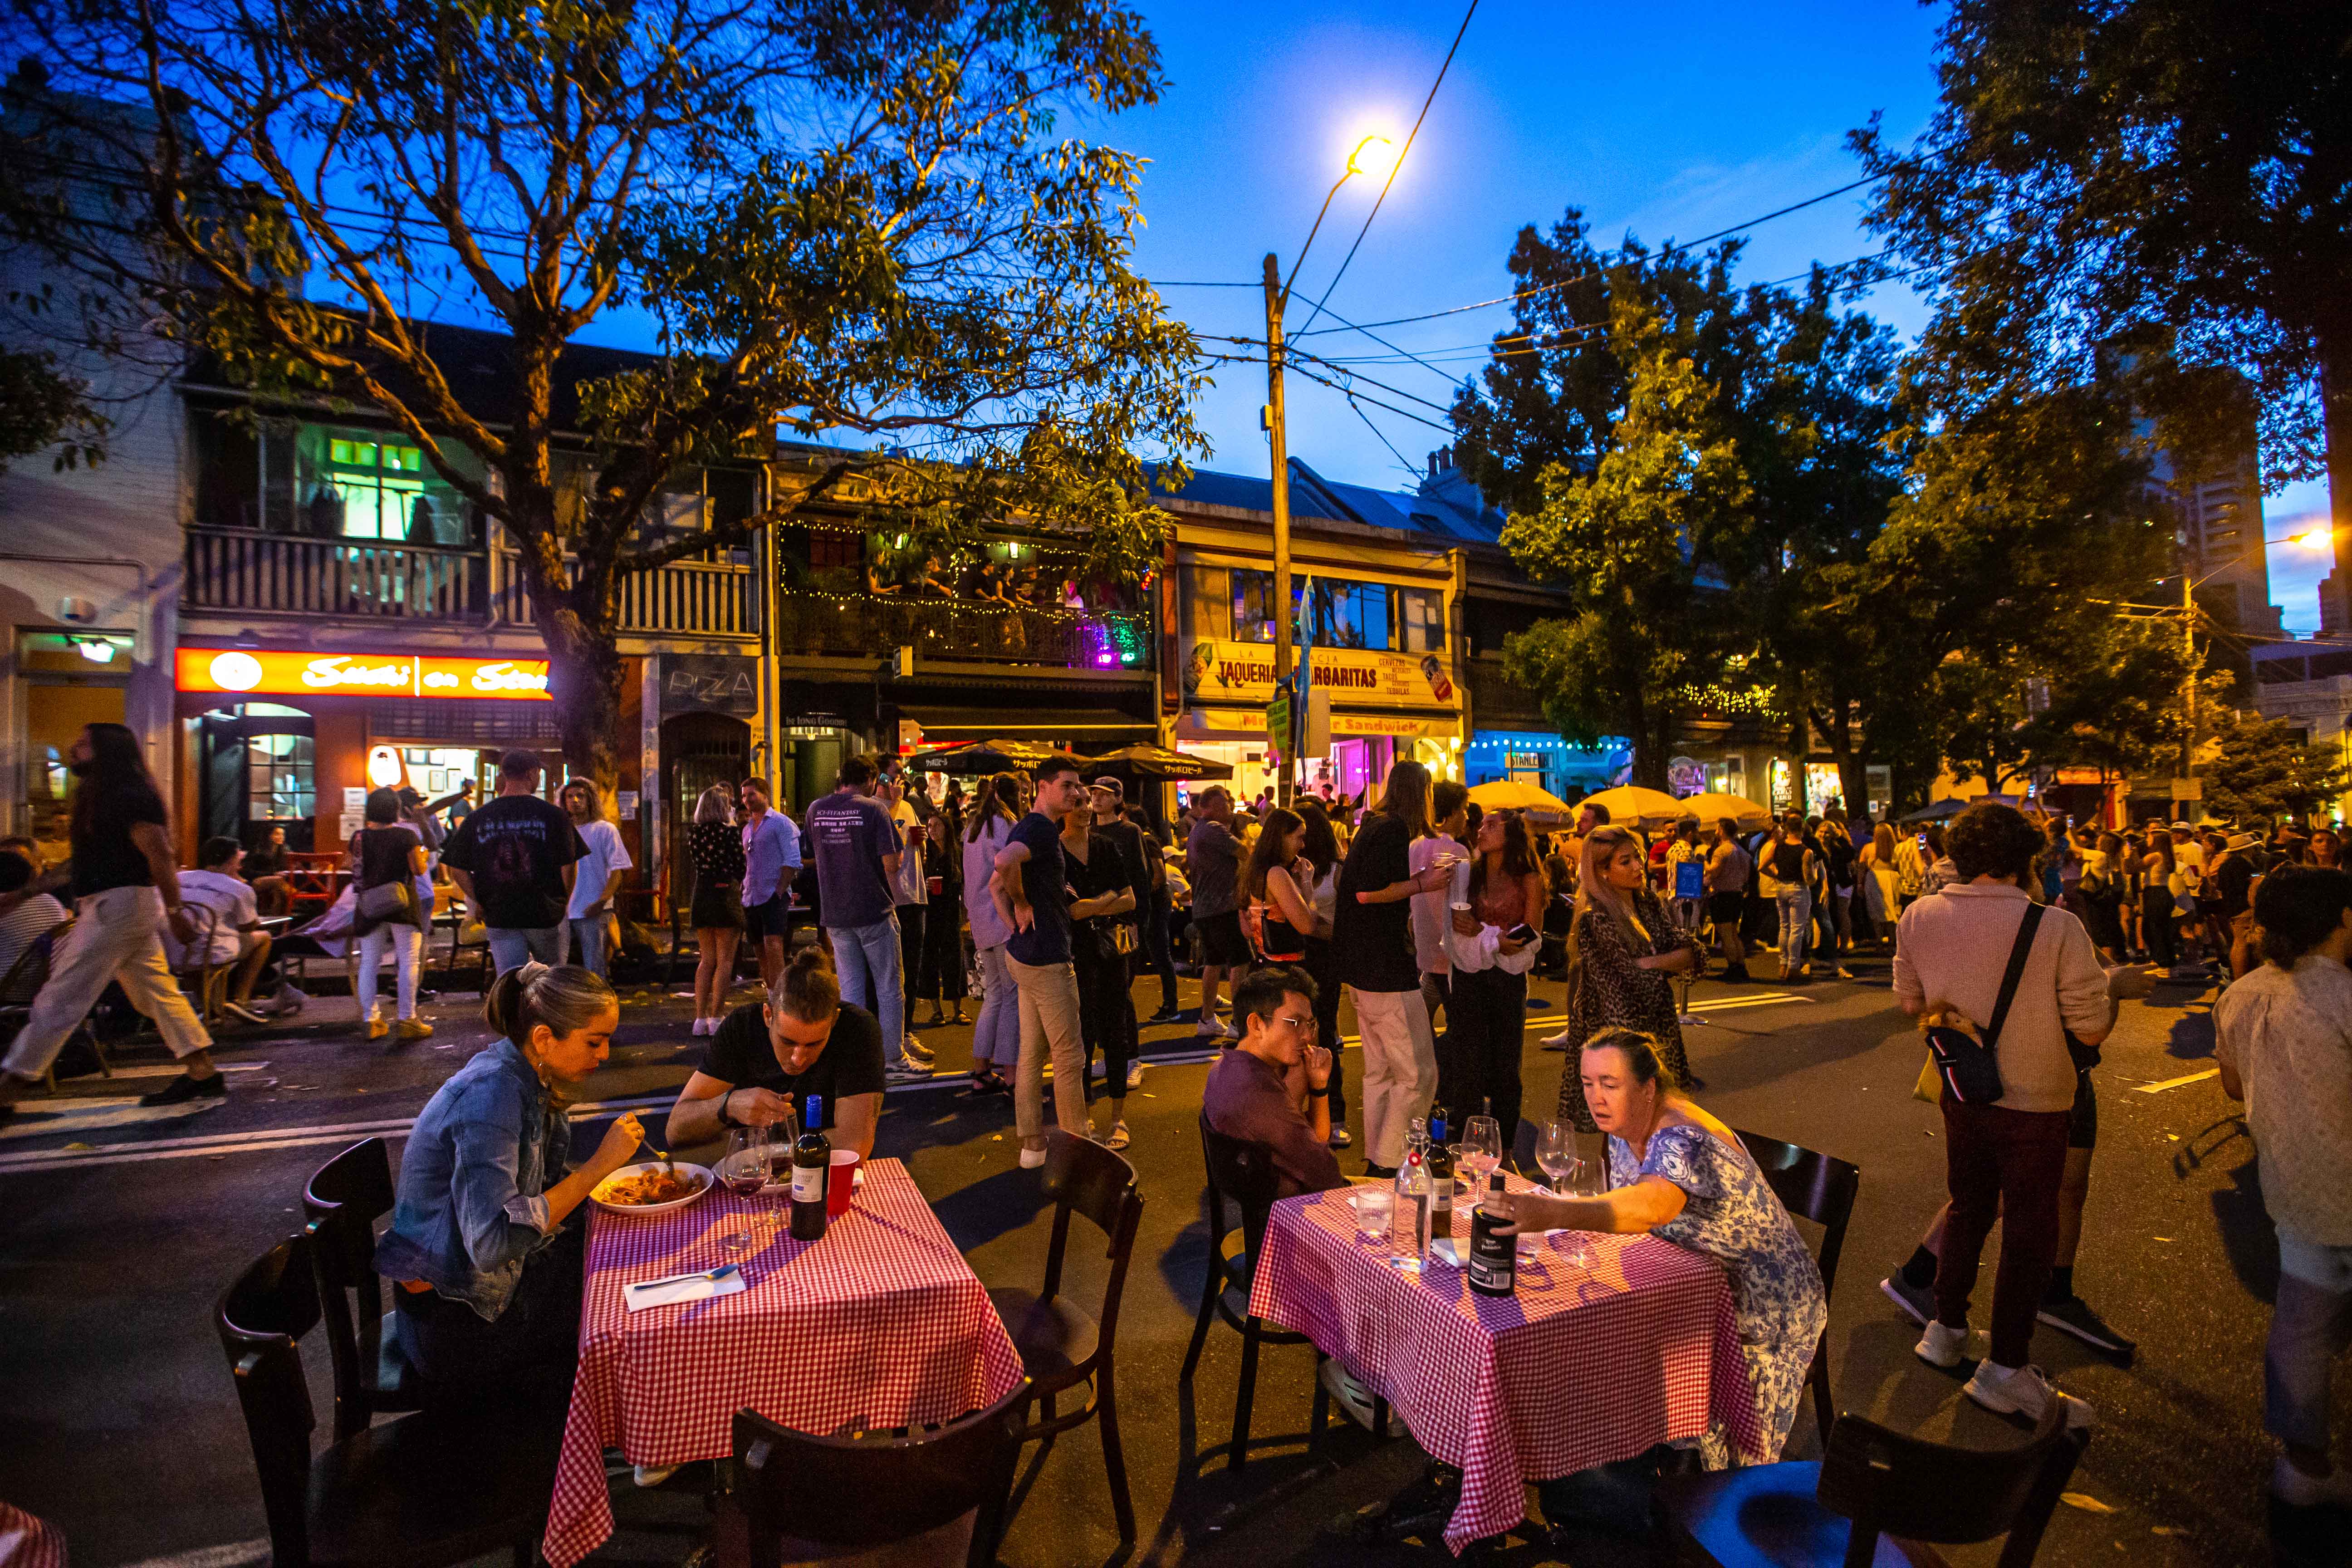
(1715, 805)
(1511, 794)
(1632, 803)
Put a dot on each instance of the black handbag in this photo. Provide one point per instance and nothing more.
(1970, 1071)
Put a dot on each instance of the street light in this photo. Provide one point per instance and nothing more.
(1278, 295)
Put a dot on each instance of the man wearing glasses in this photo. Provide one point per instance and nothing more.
(1254, 1089)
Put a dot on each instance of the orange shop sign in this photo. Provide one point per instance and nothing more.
(239, 672)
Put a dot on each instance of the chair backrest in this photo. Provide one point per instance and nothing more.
(343, 1200)
(1887, 1482)
(261, 1320)
(1813, 1185)
(1084, 1178)
(792, 1486)
(1243, 1174)
(26, 977)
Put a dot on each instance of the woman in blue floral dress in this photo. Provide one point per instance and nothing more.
(1680, 1175)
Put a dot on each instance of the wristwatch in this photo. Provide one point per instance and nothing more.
(725, 1120)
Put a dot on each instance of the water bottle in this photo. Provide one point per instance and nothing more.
(1413, 1188)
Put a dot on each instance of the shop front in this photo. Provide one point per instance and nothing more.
(64, 680)
(1546, 761)
(1382, 708)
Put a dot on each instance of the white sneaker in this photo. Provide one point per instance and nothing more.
(921, 1055)
(2022, 1391)
(652, 1475)
(905, 1071)
(1135, 1074)
(1554, 1042)
(702, 1025)
(1031, 1158)
(2296, 1489)
(1943, 1347)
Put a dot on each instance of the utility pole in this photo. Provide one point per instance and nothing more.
(1277, 440)
(2188, 689)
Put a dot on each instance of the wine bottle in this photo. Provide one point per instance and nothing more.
(812, 1161)
(1493, 1257)
(1441, 1177)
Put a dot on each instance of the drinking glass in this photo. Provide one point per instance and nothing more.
(743, 1171)
(1483, 1137)
(1556, 1151)
(1375, 1208)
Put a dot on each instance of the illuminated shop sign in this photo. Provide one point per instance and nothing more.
(238, 672)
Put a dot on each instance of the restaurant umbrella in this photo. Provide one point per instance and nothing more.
(985, 757)
(1144, 760)
(1629, 804)
(1514, 794)
(1715, 805)
(1952, 806)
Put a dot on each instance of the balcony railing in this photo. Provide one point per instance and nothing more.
(698, 598)
(236, 569)
(949, 629)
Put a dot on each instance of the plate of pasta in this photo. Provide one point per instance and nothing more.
(652, 1186)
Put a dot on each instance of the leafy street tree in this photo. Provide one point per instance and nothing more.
(2264, 770)
(41, 407)
(2173, 170)
(832, 218)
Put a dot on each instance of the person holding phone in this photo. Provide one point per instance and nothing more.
(1492, 944)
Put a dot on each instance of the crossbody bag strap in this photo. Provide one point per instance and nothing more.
(2019, 951)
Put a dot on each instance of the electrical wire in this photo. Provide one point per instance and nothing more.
(1402, 153)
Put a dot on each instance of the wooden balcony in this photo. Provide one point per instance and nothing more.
(951, 631)
(688, 598)
(283, 574)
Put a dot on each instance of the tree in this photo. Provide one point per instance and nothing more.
(1666, 506)
(41, 407)
(2097, 170)
(830, 217)
(2266, 770)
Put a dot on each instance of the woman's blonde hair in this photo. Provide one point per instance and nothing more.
(1596, 898)
(1406, 797)
(715, 804)
(1882, 839)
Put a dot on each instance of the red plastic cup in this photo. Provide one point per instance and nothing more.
(841, 1182)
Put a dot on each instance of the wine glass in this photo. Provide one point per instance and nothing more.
(743, 1171)
(1481, 1136)
(1556, 1152)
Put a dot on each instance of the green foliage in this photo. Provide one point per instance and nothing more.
(850, 220)
(40, 407)
(2264, 770)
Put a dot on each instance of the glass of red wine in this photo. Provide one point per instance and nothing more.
(743, 1171)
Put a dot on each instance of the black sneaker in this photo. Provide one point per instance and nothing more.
(183, 1089)
(1165, 1016)
(1918, 1301)
(1379, 1173)
(2073, 1315)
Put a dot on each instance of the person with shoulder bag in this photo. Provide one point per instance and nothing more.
(387, 861)
(2018, 1114)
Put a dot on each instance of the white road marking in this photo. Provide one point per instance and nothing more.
(166, 1070)
(233, 1556)
(1731, 1003)
(51, 1117)
(2177, 1082)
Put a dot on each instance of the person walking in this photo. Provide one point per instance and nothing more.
(589, 914)
(2284, 1047)
(125, 887)
(996, 1033)
(1212, 862)
(1371, 931)
(855, 848)
(516, 859)
(1029, 883)
(714, 845)
(2005, 1159)
(771, 858)
(1786, 867)
(387, 853)
(1622, 952)
(1494, 943)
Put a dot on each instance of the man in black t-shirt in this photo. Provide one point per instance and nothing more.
(514, 859)
(1371, 933)
(768, 1057)
(1032, 894)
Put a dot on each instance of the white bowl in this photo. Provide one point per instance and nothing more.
(683, 1169)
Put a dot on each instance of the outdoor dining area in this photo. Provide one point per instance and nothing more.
(867, 1395)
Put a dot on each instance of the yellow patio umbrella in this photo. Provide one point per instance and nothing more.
(1511, 794)
(1633, 803)
(1712, 808)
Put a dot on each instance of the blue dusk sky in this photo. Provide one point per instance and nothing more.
(1670, 123)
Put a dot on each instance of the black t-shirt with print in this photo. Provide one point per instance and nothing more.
(741, 1056)
(515, 847)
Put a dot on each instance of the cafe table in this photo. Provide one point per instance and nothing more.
(878, 1324)
(1583, 1365)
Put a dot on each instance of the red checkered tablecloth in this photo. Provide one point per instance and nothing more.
(1581, 1366)
(879, 1325)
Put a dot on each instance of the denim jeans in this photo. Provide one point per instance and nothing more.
(996, 1033)
(2311, 1324)
(1796, 916)
(511, 947)
(588, 940)
(868, 959)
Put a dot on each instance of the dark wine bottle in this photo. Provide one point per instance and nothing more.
(812, 1161)
(1441, 1177)
(1493, 1257)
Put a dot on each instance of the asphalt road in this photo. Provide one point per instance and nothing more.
(117, 1230)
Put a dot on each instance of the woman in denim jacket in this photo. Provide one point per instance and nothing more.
(485, 1272)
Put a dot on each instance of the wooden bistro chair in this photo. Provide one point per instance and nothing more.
(1241, 1194)
(1875, 1500)
(1062, 1347)
(22, 985)
(922, 1498)
(1820, 1188)
(412, 1493)
(344, 1199)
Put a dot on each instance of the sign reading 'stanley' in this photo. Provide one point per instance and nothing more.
(1243, 672)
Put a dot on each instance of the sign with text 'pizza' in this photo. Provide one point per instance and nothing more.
(238, 672)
